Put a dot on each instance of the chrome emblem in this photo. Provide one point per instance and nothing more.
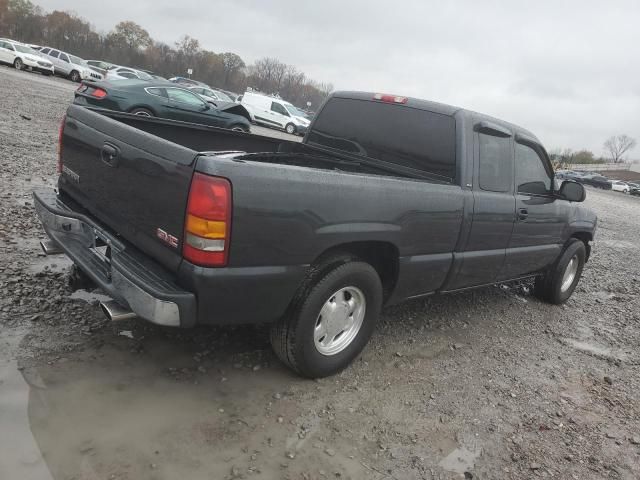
(167, 238)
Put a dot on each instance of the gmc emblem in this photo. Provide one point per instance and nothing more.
(167, 238)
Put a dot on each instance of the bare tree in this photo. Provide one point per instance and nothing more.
(617, 146)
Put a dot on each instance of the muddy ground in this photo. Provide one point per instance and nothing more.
(484, 385)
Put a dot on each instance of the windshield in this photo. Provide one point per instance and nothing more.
(24, 49)
(77, 60)
(294, 111)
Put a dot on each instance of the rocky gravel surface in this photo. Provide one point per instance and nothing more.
(489, 384)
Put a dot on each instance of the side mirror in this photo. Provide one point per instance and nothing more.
(572, 191)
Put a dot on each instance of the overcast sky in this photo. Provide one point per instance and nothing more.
(567, 70)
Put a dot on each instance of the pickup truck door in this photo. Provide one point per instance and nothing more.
(540, 217)
(189, 107)
(482, 258)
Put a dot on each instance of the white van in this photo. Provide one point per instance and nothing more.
(274, 112)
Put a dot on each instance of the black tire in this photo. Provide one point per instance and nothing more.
(18, 64)
(292, 337)
(143, 112)
(290, 128)
(47, 74)
(74, 76)
(550, 286)
(239, 128)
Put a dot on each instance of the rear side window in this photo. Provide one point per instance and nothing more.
(397, 134)
(496, 166)
(54, 53)
(45, 51)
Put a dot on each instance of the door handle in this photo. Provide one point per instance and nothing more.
(523, 213)
(109, 155)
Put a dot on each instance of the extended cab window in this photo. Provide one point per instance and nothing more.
(496, 165)
(531, 174)
(397, 134)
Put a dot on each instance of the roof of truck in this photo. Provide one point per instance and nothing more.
(441, 108)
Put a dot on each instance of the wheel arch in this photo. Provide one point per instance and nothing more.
(383, 256)
(146, 107)
(584, 237)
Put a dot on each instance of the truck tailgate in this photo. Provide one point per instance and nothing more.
(136, 183)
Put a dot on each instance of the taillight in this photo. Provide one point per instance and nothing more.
(390, 98)
(60, 134)
(95, 92)
(208, 221)
(98, 93)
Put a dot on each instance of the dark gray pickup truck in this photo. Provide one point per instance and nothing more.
(387, 198)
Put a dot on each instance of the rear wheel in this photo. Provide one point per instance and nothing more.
(331, 318)
(625, 191)
(290, 128)
(557, 285)
(74, 76)
(143, 112)
(18, 64)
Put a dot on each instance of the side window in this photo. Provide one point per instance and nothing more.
(54, 53)
(276, 107)
(496, 165)
(64, 58)
(182, 96)
(127, 74)
(45, 51)
(531, 174)
(160, 92)
(3, 45)
(8, 46)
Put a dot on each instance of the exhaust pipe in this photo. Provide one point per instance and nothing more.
(50, 247)
(114, 311)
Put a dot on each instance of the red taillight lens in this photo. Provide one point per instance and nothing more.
(60, 134)
(98, 93)
(383, 97)
(208, 221)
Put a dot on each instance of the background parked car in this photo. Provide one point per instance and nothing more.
(121, 73)
(22, 56)
(211, 95)
(619, 186)
(160, 99)
(597, 181)
(275, 112)
(70, 66)
(100, 66)
(635, 191)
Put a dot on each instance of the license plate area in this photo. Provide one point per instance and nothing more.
(101, 247)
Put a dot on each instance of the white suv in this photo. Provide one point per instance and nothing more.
(70, 66)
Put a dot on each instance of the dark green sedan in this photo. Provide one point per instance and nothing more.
(161, 100)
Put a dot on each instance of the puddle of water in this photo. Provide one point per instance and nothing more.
(89, 297)
(461, 460)
(53, 263)
(20, 455)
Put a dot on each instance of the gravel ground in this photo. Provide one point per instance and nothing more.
(481, 385)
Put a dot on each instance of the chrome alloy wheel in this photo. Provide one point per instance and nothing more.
(569, 273)
(339, 320)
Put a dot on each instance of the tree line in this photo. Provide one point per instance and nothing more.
(616, 147)
(131, 45)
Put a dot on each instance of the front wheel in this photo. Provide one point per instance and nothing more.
(290, 128)
(74, 76)
(330, 320)
(625, 191)
(557, 285)
(18, 64)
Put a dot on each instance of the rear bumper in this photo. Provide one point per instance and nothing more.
(124, 274)
(195, 295)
